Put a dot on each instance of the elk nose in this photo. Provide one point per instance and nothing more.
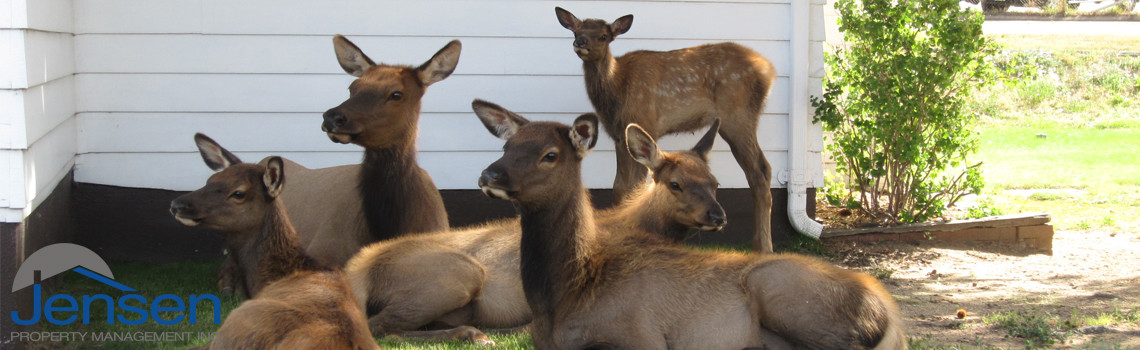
(334, 119)
(580, 42)
(177, 207)
(489, 176)
(717, 217)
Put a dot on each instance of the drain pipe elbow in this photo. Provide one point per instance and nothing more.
(797, 211)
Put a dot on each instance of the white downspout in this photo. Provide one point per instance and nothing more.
(799, 119)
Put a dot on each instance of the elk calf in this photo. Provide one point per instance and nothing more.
(337, 210)
(678, 91)
(470, 277)
(298, 303)
(590, 286)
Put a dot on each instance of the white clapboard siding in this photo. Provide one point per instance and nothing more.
(662, 19)
(317, 93)
(37, 108)
(257, 74)
(300, 132)
(313, 54)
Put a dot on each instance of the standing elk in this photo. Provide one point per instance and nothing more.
(678, 91)
(593, 287)
(298, 303)
(468, 278)
(340, 209)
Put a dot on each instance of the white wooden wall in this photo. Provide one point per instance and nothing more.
(37, 102)
(257, 74)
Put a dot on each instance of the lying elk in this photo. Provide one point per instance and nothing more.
(298, 303)
(463, 278)
(337, 210)
(594, 287)
(678, 91)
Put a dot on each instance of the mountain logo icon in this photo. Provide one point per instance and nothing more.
(62, 257)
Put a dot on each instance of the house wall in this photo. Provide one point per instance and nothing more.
(37, 138)
(256, 76)
(37, 94)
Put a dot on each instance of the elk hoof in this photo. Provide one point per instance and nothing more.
(473, 335)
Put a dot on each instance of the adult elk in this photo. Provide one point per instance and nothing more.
(594, 287)
(298, 303)
(470, 277)
(337, 210)
(678, 91)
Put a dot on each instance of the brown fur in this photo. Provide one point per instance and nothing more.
(337, 210)
(678, 91)
(298, 303)
(590, 286)
(470, 277)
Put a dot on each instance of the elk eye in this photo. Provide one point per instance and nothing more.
(675, 186)
(550, 157)
(605, 37)
(396, 96)
(239, 195)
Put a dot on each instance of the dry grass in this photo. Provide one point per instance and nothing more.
(1069, 42)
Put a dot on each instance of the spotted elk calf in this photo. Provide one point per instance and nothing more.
(678, 91)
(298, 303)
(590, 286)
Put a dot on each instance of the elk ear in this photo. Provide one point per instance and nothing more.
(584, 133)
(706, 143)
(621, 25)
(642, 147)
(216, 157)
(274, 178)
(567, 19)
(351, 59)
(440, 65)
(498, 120)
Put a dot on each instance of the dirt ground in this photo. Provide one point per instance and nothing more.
(1090, 272)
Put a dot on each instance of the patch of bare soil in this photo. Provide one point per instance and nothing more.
(1090, 272)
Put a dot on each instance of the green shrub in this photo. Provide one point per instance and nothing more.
(895, 100)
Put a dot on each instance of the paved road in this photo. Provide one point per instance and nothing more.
(1061, 27)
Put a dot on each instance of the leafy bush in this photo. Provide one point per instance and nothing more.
(894, 99)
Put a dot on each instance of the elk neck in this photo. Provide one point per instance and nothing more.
(384, 176)
(603, 86)
(558, 237)
(271, 252)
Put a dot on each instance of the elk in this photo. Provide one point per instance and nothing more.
(469, 277)
(678, 91)
(590, 286)
(337, 210)
(298, 303)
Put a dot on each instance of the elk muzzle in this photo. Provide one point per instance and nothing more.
(494, 183)
(714, 219)
(338, 127)
(185, 212)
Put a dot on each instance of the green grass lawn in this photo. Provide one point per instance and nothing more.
(183, 279)
(1085, 177)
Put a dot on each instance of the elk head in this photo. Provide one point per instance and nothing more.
(539, 158)
(383, 106)
(235, 198)
(692, 186)
(592, 37)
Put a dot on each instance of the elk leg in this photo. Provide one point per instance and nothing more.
(418, 301)
(759, 174)
(461, 333)
(630, 173)
(229, 276)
